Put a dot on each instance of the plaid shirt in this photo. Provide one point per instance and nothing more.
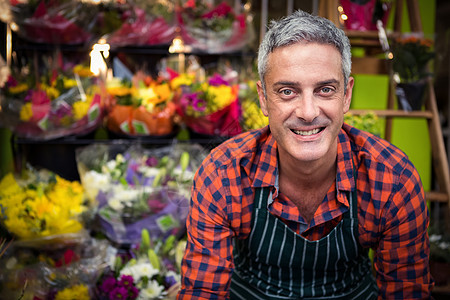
(392, 213)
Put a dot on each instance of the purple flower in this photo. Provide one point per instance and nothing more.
(199, 104)
(126, 281)
(108, 284)
(151, 161)
(217, 80)
(118, 293)
(133, 292)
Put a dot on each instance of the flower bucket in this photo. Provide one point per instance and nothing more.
(410, 96)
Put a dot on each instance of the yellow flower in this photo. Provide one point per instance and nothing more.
(221, 96)
(69, 83)
(78, 292)
(82, 71)
(26, 112)
(22, 87)
(9, 186)
(163, 91)
(183, 79)
(80, 109)
(52, 92)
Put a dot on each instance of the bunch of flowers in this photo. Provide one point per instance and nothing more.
(141, 106)
(40, 207)
(56, 21)
(150, 271)
(137, 188)
(143, 22)
(65, 272)
(61, 102)
(252, 116)
(411, 56)
(210, 107)
(214, 28)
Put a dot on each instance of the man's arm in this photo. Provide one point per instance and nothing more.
(207, 263)
(402, 257)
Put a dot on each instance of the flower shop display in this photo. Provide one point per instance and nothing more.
(138, 188)
(63, 101)
(209, 107)
(66, 273)
(141, 106)
(40, 209)
(150, 270)
(55, 22)
(214, 27)
(144, 23)
(411, 57)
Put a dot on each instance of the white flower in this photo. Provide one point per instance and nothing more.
(153, 290)
(148, 171)
(139, 270)
(116, 204)
(94, 182)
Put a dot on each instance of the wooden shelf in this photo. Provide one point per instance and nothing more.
(394, 113)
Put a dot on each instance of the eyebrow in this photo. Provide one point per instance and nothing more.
(295, 83)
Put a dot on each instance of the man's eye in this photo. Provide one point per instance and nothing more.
(287, 92)
(326, 90)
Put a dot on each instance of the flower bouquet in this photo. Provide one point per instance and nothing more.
(211, 107)
(61, 102)
(411, 57)
(368, 122)
(151, 270)
(141, 106)
(42, 210)
(139, 188)
(252, 116)
(66, 273)
(214, 28)
(56, 22)
(144, 23)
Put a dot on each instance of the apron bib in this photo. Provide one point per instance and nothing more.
(275, 262)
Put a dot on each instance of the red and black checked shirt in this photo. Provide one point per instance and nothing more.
(392, 213)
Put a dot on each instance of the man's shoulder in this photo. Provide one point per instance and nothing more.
(238, 147)
(373, 149)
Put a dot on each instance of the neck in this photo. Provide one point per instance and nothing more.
(308, 175)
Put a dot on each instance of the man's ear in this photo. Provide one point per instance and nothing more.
(262, 98)
(348, 94)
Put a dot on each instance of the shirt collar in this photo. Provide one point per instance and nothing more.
(266, 174)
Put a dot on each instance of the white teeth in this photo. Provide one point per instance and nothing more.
(309, 132)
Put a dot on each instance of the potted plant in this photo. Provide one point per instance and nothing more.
(411, 57)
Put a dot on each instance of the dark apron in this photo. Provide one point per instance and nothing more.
(274, 262)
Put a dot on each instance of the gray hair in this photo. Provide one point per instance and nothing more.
(303, 27)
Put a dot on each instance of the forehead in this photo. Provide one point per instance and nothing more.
(311, 59)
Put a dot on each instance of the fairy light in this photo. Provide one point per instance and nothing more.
(98, 55)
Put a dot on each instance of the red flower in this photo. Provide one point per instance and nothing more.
(221, 10)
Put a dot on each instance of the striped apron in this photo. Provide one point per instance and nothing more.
(274, 262)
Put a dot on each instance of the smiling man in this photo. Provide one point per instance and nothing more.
(290, 211)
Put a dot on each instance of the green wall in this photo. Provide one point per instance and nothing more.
(370, 92)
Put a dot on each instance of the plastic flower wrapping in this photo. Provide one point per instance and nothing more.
(54, 21)
(214, 27)
(69, 272)
(209, 107)
(141, 106)
(40, 209)
(63, 101)
(149, 270)
(143, 22)
(138, 188)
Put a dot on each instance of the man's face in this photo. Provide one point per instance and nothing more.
(305, 100)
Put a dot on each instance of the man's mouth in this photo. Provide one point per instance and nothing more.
(307, 132)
